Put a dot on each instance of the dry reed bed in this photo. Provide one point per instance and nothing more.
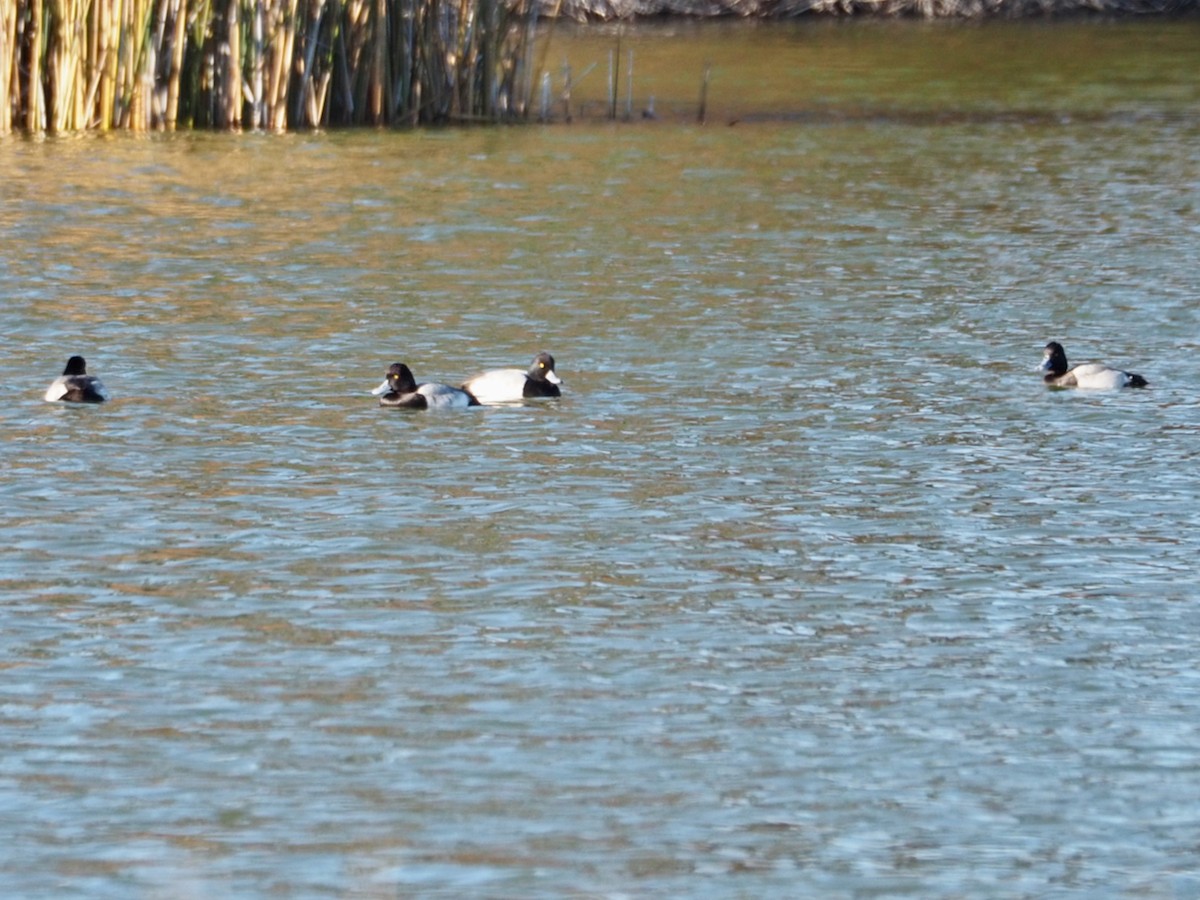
(141, 65)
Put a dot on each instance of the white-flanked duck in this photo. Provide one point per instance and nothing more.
(512, 385)
(1091, 376)
(75, 385)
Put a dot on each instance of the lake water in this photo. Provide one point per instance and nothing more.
(806, 587)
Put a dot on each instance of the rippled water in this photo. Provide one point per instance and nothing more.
(807, 586)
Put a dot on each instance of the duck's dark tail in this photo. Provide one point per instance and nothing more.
(1137, 381)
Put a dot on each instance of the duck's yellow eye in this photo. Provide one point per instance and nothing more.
(541, 365)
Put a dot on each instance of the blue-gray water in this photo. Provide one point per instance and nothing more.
(806, 587)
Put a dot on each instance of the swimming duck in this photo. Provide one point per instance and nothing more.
(75, 385)
(1093, 376)
(509, 385)
(401, 389)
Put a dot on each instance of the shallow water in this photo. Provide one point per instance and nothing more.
(806, 586)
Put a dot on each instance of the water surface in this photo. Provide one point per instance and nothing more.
(806, 586)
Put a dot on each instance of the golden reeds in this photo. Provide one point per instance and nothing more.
(67, 65)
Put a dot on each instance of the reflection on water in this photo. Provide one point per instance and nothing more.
(827, 69)
(805, 583)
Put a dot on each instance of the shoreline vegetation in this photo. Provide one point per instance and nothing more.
(275, 65)
(163, 65)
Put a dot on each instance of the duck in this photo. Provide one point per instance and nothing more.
(512, 385)
(400, 389)
(1092, 376)
(75, 385)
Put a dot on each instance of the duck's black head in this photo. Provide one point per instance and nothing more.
(400, 379)
(1054, 360)
(542, 369)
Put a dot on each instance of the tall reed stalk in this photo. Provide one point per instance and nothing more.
(69, 65)
(8, 64)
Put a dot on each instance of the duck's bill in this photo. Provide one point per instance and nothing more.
(382, 389)
(553, 378)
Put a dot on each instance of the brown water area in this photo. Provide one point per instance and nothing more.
(822, 70)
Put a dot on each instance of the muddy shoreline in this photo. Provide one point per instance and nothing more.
(614, 10)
